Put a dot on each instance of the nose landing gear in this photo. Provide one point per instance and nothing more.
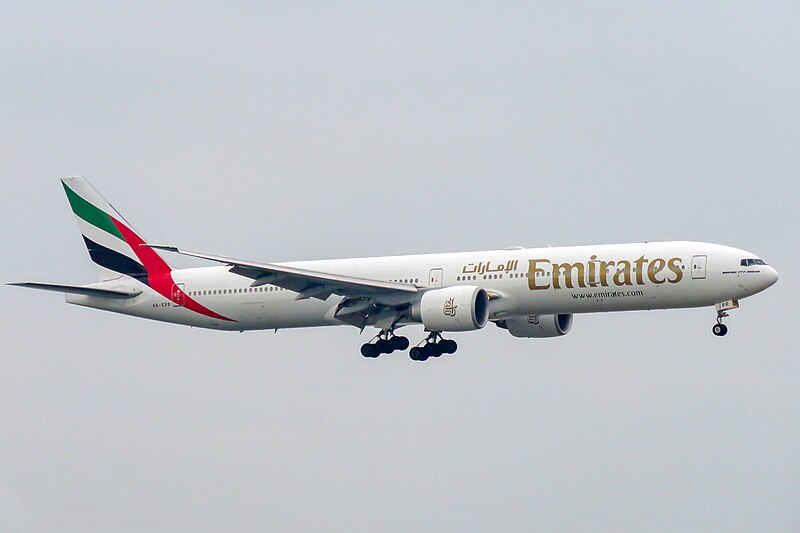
(433, 346)
(720, 329)
(386, 342)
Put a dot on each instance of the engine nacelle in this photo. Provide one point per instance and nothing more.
(462, 308)
(538, 326)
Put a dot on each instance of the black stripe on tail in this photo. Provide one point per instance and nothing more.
(113, 260)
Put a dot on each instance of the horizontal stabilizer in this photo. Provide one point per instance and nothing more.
(86, 291)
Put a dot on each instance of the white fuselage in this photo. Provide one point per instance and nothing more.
(535, 281)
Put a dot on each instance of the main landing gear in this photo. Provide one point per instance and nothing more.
(433, 346)
(386, 342)
(719, 328)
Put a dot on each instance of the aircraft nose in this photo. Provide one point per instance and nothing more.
(770, 276)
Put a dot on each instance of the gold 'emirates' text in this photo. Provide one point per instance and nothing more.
(603, 273)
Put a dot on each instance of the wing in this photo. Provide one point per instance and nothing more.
(364, 301)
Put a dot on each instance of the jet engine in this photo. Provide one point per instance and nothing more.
(462, 308)
(538, 326)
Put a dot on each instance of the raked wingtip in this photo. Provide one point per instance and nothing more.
(164, 247)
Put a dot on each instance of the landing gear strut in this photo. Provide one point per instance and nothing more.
(433, 346)
(719, 328)
(386, 342)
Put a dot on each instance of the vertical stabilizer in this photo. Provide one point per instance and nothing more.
(112, 243)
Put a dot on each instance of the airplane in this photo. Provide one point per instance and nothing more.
(531, 293)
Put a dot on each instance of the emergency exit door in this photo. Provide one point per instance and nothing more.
(436, 277)
(177, 295)
(699, 267)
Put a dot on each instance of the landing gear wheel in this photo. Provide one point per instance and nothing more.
(424, 353)
(399, 343)
(384, 342)
(433, 346)
(369, 350)
(449, 346)
(719, 328)
(384, 346)
(418, 354)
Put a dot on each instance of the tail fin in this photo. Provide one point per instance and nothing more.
(113, 245)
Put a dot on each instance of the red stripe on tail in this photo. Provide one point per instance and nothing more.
(159, 273)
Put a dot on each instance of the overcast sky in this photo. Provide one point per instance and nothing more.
(303, 131)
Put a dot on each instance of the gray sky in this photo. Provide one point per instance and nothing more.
(310, 131)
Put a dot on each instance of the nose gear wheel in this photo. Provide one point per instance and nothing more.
(720, 329)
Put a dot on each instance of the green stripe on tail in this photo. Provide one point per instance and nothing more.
(91, 214)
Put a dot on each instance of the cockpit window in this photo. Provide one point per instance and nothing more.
(751, 262)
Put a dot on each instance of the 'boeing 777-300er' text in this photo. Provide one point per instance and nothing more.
(530, 292)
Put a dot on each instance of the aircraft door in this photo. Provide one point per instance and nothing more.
(699, 267)
(435, 279)
(177, 295)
